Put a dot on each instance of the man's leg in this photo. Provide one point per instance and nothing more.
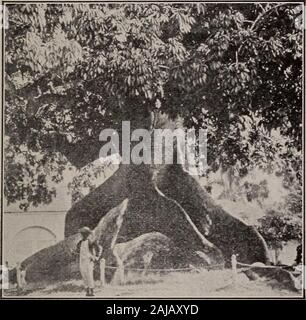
(91, 282)
(84, 274)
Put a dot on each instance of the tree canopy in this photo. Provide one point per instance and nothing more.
(73, 69)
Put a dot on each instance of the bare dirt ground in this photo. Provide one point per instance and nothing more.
(209, 284)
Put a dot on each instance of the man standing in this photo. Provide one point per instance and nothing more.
(87, 259)
(21, 275)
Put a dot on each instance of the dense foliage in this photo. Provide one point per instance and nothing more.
(285, 223)
(74, 69)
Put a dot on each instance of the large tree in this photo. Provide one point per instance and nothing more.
(72, 70)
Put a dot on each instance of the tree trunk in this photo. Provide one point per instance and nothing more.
(184, 213)
(167, 199)
(164, 199)
(147, 211)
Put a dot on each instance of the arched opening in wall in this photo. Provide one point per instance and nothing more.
(31, 240)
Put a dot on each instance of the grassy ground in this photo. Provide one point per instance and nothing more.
(218, 283)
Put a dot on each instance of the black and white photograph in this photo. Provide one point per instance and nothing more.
(152, 150)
